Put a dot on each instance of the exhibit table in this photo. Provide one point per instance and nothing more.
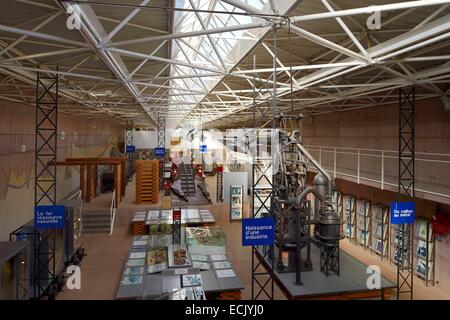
(142, 220)
(155, 266)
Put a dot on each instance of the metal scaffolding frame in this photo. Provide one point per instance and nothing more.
(219, 187)
(263, 257)
(161, 131)
(129, 141)
(46, 141)
(406, 183)
(185, 93)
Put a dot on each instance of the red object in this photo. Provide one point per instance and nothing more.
(167, 185)
(219, 169)
(176, 214)
(441, 223)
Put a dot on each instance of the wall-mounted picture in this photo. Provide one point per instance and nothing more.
(379, 246)
(422, 248)
(236, 202)
(399, 238)
(236, 190)
(378, 230)
(422, 267)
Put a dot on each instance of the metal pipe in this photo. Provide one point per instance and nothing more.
(309, 190)
(317, 165)
(191, 34)
(369, 10)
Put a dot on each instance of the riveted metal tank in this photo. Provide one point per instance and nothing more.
(329, 227)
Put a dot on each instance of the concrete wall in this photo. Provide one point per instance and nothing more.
(377, 128)
(81, 138)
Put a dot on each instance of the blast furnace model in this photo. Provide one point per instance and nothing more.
(298, 225)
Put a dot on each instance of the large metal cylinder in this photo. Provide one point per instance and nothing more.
(329, 227)
(321, 186)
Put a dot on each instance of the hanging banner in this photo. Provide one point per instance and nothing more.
(403, 212)
(49, 217)
(203, 148)
(159, 152)
(258, 231)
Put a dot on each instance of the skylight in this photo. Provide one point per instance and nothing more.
(210, 56)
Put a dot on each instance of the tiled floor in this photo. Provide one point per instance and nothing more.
(102, 267)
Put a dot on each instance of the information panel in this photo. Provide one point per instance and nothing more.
(258, 231)
(203, 148)
(402, 212)
(49, 217)
(159, 152)
(131, 149)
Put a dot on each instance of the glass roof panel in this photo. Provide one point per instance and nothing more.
(209, 56)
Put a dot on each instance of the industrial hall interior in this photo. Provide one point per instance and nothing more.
(224, 150)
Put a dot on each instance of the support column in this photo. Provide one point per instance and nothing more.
(161, 132)
(117, 183)
(406, 184)
(83, 190)
(46, 141)
(89, 183)
(129, 141)
(219, 196)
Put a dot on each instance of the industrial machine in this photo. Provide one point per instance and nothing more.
(298, 224)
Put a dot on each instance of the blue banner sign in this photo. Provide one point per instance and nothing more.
(159, 152)
(49, 217)
(259, 231)
(131, 149)
(203, 148)
(403, 212)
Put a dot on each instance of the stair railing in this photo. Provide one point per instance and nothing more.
(112, 215)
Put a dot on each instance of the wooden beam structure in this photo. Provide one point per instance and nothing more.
(89, 174)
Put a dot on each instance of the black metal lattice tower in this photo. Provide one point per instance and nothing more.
(406, 179)
(129, 141)
(263, 180)
(161, 131)
(46, 138)
(219, 186)
(262, 197)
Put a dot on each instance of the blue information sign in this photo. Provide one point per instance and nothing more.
(258, 231)
(203, 148)
(159, 152)
(49, 217)
(402, 212)
(131, 149)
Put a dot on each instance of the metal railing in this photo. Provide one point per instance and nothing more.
(76, 195)
(112, 215)
(380, 167)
